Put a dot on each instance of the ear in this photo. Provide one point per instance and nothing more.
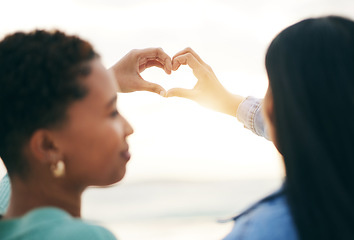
(42, 146)
(269, 116)
(269, 107)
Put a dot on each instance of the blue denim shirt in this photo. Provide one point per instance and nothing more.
(250, 114)
(268, 219)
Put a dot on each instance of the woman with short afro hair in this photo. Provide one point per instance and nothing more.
(61, 131)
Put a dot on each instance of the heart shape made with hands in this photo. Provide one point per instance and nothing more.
(182, 78)
(201, 86)
(130, 73)
(156, 57)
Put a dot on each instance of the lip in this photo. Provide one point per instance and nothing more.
(126, 155)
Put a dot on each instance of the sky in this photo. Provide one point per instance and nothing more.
(176, 138)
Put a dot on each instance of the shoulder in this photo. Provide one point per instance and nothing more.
(270, 218)
(77, 229)
(54, 224)
(66, 227)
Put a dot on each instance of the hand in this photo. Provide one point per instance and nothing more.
(208, 91)
(127, 70)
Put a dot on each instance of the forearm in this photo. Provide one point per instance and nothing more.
(249, 112)
(230, 103)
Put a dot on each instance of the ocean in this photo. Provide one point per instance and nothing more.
(169, 210)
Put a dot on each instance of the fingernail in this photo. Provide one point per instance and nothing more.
(162, 93)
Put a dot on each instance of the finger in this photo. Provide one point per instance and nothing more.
(155, 55)
(175, 64)
(152, 87)
(181, 92)
(151, 63)
(188, 50)
(188, 59)
(168, 65)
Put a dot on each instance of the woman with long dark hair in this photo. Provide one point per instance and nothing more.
(311, 77)
(309, 115)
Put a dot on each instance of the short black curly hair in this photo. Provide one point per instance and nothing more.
(40, 76)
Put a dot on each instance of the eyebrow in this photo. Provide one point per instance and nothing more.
(112, 101)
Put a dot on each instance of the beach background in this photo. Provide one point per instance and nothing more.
(190, 166)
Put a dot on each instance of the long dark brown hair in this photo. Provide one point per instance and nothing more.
(310, 67)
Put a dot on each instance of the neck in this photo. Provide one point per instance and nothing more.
(29, 194)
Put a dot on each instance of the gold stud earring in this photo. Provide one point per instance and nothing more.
(58, 169)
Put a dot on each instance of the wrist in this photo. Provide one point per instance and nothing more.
(231, 102)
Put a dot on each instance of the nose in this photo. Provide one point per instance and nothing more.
(128, 128)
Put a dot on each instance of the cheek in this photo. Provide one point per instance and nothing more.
(94, 155)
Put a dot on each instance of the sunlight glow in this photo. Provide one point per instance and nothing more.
(175, 137)
(190, 165)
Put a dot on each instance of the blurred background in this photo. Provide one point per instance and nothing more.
(190, 166)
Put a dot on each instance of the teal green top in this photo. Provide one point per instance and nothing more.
(51, 223)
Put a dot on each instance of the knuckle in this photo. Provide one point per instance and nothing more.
(134, 52)
(201, 73)
(189, 55)
(158, 51)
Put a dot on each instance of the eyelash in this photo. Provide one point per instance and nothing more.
(115, 113)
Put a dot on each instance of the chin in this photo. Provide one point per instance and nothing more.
(118, 176)
(112, 179)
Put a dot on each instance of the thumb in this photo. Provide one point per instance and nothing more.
(181, 92)
(153, 87)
